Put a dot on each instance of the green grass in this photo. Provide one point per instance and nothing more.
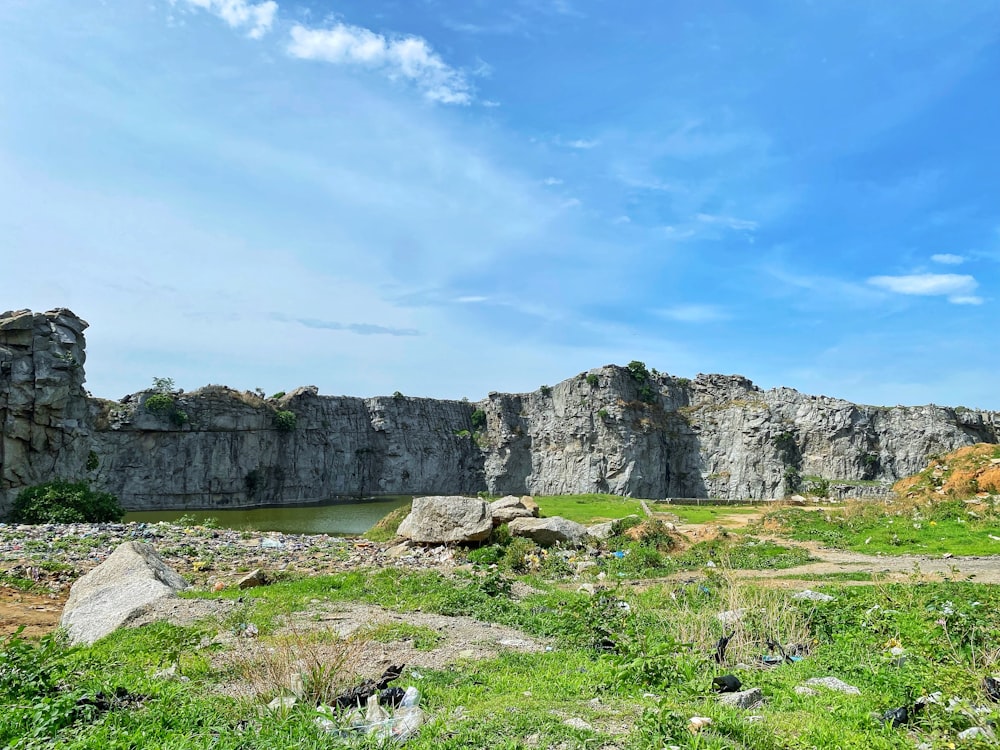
(638, 696)
(588, 509)
(705, 513)
(423, 638)
(945, 528)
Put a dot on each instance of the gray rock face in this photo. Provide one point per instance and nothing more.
(44, 410)
(443, 520)
(743, 698)
(116, 591)
(507, 508)
(549, 531)
(602, 431)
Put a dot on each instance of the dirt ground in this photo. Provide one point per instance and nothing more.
(37, 613)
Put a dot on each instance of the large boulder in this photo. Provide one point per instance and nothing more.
(117, 591)
(506, 509)
(549, 531)
(442, 519)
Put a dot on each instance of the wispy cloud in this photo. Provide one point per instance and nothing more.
(471, 299)
(550, 181)
(727, 221)
(958, 288)
(948, 259)
(258, 17)
(580, 143)
(693, 313)
(407, 57)
(363, 329)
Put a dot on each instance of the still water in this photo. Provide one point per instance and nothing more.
(343, 517)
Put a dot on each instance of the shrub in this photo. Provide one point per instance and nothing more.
(592, 379)
(277, 395)
(65, 502)
(820, 487)
(478, 419)
(602, 413)
(546, 390)
(285, 420)
(164, 405)
(398, 395)
(638, 371)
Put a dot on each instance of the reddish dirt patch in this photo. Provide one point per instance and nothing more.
(38, 613)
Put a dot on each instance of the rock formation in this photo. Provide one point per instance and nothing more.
(621, 430)
(113, 593)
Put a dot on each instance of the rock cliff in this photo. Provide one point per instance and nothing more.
(622, 430)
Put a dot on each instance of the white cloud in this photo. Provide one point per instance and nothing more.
(958, 288)
(622, 220)
(582, 143)
(570, 203)
(552, 181)
(693, 313)
(948, 259)
(471, 300)
(240, 13)
(727, 221)
(408, 57)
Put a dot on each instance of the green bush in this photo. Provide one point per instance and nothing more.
(163, 404)
(285, 420)
(546, 390)
(65, 502)
(592, 379)
(478, 419)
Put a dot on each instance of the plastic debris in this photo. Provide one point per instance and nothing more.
(697, 723)
(992, 687)
(720, 647)
(726, 683)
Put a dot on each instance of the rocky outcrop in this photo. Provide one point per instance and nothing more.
(113, 593)
(549, 531)
(446, 520)
(44, 409)
(620, 430)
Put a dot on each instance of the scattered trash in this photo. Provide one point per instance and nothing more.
(813, 596)
(727, 683)
(697, 723)
(359, 695)
(896, 717)
(720, 647)
(403, 722)
(973, 733)
(992, 687)
(271, 543)
(282, 703)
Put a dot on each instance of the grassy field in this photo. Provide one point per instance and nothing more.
(627, 669)
(588, 508)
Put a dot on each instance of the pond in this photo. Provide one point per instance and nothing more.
(340, 517)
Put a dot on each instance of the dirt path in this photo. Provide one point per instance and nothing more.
(829, 561)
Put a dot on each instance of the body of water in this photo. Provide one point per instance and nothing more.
(341, 518)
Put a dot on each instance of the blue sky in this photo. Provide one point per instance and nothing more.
(447, 198)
